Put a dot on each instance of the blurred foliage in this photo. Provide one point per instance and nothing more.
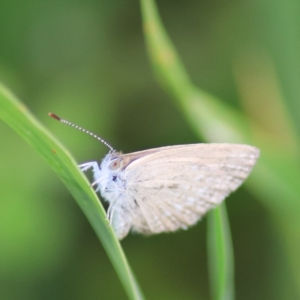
(87, 62)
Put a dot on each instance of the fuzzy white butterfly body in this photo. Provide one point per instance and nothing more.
(168, 188)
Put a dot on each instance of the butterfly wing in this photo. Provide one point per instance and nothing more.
(173, 187)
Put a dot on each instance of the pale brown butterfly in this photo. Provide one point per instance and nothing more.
(168, 188)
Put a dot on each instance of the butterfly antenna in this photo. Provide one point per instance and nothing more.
(54, 116)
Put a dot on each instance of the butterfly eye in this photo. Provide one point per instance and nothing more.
(115, 164)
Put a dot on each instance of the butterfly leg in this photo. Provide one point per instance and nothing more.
(96, 170)
(91, 164)
(110, 211)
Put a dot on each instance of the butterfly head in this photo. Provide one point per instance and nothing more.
(111, 180)
(115, 163)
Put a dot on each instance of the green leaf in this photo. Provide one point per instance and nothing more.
(16, 115)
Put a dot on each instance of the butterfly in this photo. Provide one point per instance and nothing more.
(168, 188)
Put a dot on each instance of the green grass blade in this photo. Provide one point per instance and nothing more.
(220, 255)
(16, 115)
(209, 117)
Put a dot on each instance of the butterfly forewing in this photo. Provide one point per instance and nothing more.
(174, 186)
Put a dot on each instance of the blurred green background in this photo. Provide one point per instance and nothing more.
(87, 62)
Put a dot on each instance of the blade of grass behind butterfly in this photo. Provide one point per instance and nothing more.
(210, 117)
(276, 175)
(220, 255)
(16, 115)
